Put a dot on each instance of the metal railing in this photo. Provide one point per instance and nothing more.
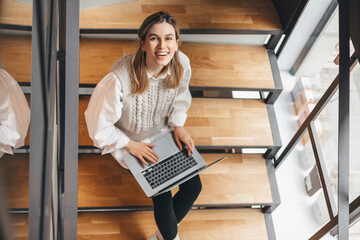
(338, 218)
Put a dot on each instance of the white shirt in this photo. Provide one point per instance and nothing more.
(14, 114)
(106, 108)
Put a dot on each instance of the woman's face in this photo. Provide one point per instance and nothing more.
(160, 45)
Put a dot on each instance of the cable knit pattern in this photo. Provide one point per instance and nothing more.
(149, 110)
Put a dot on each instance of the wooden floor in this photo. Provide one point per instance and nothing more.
(214, 122)
(239, 224)
(240, 179)
(194, 14)
(213, 65)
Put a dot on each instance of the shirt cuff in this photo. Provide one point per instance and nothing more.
(123, 141)
(177, 119)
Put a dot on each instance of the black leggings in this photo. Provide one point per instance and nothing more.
(169, 211)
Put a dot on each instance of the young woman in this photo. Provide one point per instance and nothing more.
(145, 95)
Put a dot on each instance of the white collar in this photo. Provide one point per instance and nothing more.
(161, 76)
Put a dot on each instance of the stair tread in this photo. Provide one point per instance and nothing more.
(218, 224)
(190, 14)
(15, 53)
(240, 179)
(15, 169)
(228, 65)
(214, 122)
(103, 182)
(213, 65)
(229, 122)
(15, 12)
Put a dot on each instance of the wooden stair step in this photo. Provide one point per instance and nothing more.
(15, 170)
(20, 226)
(228, 65)
(15, 53)
(15, 12)
(213, 65)
(229, 122)
(216, 224)
(214, 122)
(190, 14)
(238, 180)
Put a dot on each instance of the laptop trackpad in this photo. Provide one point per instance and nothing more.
(165, 147)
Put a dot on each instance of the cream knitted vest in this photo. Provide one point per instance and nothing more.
(146, 114)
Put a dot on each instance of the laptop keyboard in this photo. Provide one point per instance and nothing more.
(168, 168)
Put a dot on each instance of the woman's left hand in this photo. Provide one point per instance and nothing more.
(181, 135)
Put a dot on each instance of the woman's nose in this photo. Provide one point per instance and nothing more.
(161, 44)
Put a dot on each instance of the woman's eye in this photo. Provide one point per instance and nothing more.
(153, 38)
(169, 38)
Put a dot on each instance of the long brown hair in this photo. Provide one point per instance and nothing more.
(138, 74)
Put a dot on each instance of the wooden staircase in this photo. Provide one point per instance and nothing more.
(239, 194)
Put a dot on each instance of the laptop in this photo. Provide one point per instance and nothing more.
(174, 166)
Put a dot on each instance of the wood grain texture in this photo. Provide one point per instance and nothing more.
(199, 14)
(240, 179)
(15, 53)
(240, 224)
(20, 226)
(84, 139)
(214, 65)
(14, 170)
(190, 14)
(103, 182)
(230, 122)
(225, 65)
(98, 55)
(214, 122)
(14, 12)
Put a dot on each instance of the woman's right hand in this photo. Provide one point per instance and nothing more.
(142, 150)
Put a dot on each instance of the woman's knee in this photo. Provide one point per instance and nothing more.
(162, 199)
(193, 185)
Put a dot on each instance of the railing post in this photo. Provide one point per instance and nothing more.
(69, 119)
(344, 122)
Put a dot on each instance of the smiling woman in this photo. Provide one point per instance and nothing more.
(146, 95)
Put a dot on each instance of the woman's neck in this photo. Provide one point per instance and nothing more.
(155, 72)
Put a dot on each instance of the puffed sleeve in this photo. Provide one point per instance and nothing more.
(182, 99)
(14, 114)
(103, 111)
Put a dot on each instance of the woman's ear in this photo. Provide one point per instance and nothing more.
(142, 43)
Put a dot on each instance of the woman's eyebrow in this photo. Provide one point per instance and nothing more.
(154, 34)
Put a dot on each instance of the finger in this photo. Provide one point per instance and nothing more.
(154, 154)
(143, 160)
(150, 155)
(192, 145)
(150, 145)
(178, 143)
